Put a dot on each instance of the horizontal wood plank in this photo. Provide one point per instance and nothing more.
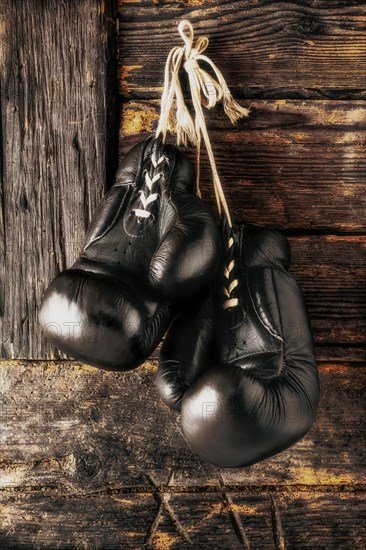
(79, 429)
(309, 519)
(293, 164)
(264, 49)
(331, 271)
(332, 274)
(57, 134)
(305, 172)
(347, 354)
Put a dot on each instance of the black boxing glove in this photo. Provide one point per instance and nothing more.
(152, 242)
(187, 349)
(260, 393)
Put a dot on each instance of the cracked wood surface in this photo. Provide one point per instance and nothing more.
(92, 459)
(311, 519)
(264, 49)
(56, 135)
(77, 428)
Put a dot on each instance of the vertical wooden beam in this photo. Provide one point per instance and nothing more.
(56, 68)
(3, 54)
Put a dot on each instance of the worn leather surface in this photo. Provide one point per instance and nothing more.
(187, 349)
(248, 385)
(112, 307)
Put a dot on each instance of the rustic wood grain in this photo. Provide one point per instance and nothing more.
(293, 164)
(311, 519)
(347, 354)
(264, 49)
(56, 104)
(304, 173)
(331, 271)
(92, 460)
(79, 429)
(56, 133)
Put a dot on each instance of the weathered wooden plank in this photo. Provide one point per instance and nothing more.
(294, 164)
(332, 274)
(345, 354)
(310, 519)
(78, 429)
(55, 67)
(264, 49)
(282, 148)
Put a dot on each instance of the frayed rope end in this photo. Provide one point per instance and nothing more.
(185, 129)
(233, 110)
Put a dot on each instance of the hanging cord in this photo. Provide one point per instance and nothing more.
(206, 91)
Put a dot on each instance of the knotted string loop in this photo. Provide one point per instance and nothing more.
(206, 90)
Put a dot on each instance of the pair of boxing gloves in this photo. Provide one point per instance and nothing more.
(238, 359)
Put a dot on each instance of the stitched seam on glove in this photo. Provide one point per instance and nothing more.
(110, 225)
(164, 308)
(174, 226)
(268, 327)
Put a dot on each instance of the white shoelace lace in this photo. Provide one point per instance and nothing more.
(150, 197)
(231, 285)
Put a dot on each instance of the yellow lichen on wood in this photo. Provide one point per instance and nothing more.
(244, 509)
(309, 476)
(163, 541)
(198, 2)
(124, 501)
(138, 121)
(150, 365)
(299, 135)
(356, 115)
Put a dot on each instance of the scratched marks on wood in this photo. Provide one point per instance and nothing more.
(98, 521)
(234, 516)
(89, 430)
(101, 443)
(162, 497)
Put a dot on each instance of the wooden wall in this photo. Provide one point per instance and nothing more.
(298, 163)
(58, 129)
(91, 459)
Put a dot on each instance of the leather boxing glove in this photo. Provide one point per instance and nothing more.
(152, 242)
(259, 393)
(187, 349)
